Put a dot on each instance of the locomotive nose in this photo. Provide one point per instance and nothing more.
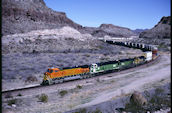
(45, 76)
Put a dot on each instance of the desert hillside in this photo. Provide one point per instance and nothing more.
(161, 30)
(20, 16)
(159, 35)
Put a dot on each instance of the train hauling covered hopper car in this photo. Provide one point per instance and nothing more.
(56, 75)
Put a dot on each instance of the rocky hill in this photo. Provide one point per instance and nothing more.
(161, 30)
(110, 30)
(159, 35)
(20, 16)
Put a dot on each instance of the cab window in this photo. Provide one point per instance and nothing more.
(50, 71)
(56, 70)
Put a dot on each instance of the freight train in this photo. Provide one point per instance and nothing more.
(56, 75)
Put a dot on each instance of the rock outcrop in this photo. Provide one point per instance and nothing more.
(161, 30)
(138, 99)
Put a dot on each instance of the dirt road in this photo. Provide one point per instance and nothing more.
(141, 80)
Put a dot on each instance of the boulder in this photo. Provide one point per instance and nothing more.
(138, 99)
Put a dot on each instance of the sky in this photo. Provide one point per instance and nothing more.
(133, 14)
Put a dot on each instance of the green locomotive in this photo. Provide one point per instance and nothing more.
(111, 66)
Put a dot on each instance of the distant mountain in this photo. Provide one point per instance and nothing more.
(110, 30)
(138, 31)
(161, 30)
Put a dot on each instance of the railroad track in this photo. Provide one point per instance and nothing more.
(6, 92)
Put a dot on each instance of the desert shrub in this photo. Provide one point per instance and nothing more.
(71, 39)
(82, 110)
(13, 101)
(37, 96)
(98, 80)
(100, 47)
(112, 81)
(39, 36)
(158, 100)
(105, 54)
(162, 46)
(159, 90)
(43, 98)
(147, 94)
(87, 55)
(97, 111)
(13, 77)
(79, 87)
(132, 107)
(35, 51)
(8, 95)
(31, 79)
(19, 94)
(104, 59)
(63, 92)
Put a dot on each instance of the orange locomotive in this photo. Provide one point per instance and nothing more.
(55, 75)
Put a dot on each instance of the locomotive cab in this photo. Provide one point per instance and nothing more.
(48, 75)
(93, 68)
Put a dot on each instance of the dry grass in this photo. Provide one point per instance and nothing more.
(31, 79)
(11, 102)
(8, 95)
(79, 86)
